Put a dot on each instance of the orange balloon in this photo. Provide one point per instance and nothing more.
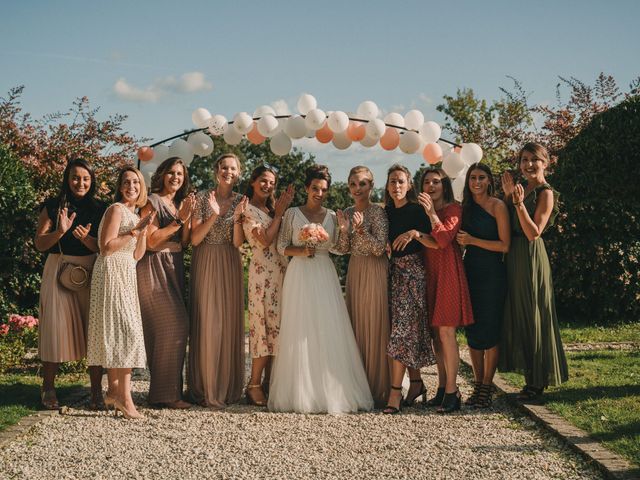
(432, 153)
(324, 135)
(356, 131)
(254, 135)
(390, 139)
(145, 154)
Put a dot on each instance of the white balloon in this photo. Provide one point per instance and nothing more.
(341, 141)
(267, 126)
(368, 141)
(413, 119)
(471, 153)
(264, 110)
(458, 186)
(201, 143)
(394, 119)
(160, 154)
(430, 132)
(148, 169)
(338, 121)
(453, 165)
(315, 119)
(217, 124)
(410, 142)
(232, 136)
(181, 149)
(306, 103)
(367, 110)
(375, 128)
(243, 122)
(296, 127)
(200, 117)
(446, 148)
(280, 144)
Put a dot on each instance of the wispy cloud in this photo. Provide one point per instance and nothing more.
(190, 82)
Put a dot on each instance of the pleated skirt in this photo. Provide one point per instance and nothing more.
(216, 344)
(368, 306)
(64, 315)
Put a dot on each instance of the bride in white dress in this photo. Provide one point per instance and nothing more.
(318, 368)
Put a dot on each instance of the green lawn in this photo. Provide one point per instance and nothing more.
(601, 397)
(585, 333)
(20, 393)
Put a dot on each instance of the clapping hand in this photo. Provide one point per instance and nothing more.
(284, 200)
(213, 203)
(343, 221)
(65, 221)
(518, 194)
(358, 221)
(508, 184)
(238, 213)
(81, 232)
(186, 208)
(143, 224)
(425, 200)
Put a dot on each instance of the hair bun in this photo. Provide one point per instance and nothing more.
(320, 172)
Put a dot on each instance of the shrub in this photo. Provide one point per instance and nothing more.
(595, 248)
(18, 335)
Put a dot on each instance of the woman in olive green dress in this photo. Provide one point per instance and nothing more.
(531, 341)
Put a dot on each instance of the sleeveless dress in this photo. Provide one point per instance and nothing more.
(216, 343)
(164, 316)
(487, 277)
(116, 339)
(367, 295)
(531, 341)
(447, 291)
(266, 273)
(318, 368)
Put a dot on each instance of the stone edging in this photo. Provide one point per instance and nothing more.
(77, 396)
(611, 464)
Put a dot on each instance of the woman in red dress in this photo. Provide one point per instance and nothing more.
(448, 299)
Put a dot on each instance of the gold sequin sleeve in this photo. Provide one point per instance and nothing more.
(343, 245)
(286, 231)
(372, 238)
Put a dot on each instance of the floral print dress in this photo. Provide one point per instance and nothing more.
(266, 273)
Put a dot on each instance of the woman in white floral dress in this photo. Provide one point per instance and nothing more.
(261, 224)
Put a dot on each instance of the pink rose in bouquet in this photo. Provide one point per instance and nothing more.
(312, 234)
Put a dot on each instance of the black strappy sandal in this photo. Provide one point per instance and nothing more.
(407, 402)
(390, 409)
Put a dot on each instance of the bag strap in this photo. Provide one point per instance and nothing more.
(57, 224)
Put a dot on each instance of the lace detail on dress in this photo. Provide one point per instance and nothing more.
(293, 222)
(222, 229)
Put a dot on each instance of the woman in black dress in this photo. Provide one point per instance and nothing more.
(486, 237)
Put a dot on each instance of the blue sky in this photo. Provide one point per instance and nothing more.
(132, 57)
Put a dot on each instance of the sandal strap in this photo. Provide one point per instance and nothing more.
(396, 388)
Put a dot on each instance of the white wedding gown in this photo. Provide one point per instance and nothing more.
(318, 368)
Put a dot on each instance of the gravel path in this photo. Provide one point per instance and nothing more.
(243, 442)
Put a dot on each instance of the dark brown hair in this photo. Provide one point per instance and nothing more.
(317, 172)
(467, 196)
(411, 194)
(447, 188)
(65, 189)
(257, 172)
(157, 179)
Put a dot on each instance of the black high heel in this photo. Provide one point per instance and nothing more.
(423, 392)
(437, 400)
(451, 402)
(390, 409)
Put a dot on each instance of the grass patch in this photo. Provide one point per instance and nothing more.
(583, 333)
(601, 397)
(20, 393)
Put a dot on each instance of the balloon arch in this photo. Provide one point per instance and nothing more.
(411, 133)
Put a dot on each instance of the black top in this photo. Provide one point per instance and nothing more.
(411, 216)
(87, 211)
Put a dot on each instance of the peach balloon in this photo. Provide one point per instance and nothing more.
(145, 154)
(356, 131)
(324, 134)
(432, 153)
(390, 139)
(254, 135)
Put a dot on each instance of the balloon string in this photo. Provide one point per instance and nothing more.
(354, 119)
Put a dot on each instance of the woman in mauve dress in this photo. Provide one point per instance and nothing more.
(161, 282)
(216, 343)
(363, 233)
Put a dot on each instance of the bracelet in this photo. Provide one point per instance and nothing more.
(515, 204)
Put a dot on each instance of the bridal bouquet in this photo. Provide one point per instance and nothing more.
(312, 234)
